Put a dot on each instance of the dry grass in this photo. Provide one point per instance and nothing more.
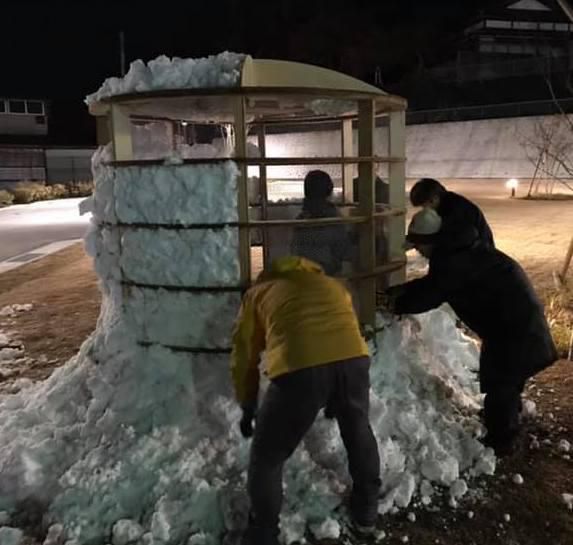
(6, 198)
(549, 197)
(559, 311)
(27, 192)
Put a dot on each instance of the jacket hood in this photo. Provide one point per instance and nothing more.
(288, 264)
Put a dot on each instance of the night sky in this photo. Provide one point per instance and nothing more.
(64, 50)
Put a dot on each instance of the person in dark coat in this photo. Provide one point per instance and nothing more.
(381, 190)
(492, 295)
(329, 246)
(457, 212)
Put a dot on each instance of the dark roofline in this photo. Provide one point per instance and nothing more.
(556, 15)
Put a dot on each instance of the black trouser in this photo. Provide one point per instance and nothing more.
(502, 408)
(290, 406)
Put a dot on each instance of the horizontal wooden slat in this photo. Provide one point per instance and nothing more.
(378, 271)
(189, 350)
(263, 224)
(189, 289)
(262, 161)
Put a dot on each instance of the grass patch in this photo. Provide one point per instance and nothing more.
(549, 197)
(559, 312)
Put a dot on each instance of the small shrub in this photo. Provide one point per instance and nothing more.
(6, 198)
(27, 192)
(81, 189)
(59, 191)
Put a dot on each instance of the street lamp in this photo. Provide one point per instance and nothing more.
(512, 185)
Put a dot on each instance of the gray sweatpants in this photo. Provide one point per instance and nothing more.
(290, 406)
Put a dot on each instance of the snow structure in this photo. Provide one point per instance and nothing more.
(136, 437)
(215, 71)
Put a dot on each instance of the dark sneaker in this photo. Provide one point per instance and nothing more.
(368, 533)
(260, 536)
(501, 447)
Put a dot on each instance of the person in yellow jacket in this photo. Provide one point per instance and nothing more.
(314, 354)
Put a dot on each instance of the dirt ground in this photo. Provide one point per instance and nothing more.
(63, 289)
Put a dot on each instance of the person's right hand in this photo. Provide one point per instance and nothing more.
(247, 421)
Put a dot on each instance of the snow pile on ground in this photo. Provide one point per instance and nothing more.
(126, 433)
(215, 71)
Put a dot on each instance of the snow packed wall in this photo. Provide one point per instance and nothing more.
(135, 439)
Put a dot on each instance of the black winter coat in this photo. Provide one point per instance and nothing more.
(460, 214)
(492, 295)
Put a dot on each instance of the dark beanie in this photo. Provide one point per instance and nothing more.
(317, 185)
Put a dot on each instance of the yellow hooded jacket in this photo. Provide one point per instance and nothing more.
(300, 317)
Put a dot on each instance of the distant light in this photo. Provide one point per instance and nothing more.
(513, 183)
(184, 123)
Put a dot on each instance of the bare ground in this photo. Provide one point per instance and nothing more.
(63, 289)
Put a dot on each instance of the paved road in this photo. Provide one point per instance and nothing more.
(23, 228)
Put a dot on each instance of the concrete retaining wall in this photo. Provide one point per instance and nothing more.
(491, 148)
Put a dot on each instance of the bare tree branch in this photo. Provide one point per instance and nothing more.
(554, 98)
(567, 9)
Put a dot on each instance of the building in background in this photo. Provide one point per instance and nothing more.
(27, 151)
(516, 54)
(520, 38)
(20, 116)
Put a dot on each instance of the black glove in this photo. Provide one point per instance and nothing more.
(247, 420)
(330, 411)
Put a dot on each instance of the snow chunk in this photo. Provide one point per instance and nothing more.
(412, 517)
(507, 517)
(328, 529)
(518, 479)
(458, 488)
(215, 71)
(10, 311)
(55, 536)
(568, 500)
(126, 531)
(564, 446)
(529, 409)
(11, 536)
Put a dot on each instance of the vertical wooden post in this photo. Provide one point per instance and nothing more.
(121, 134)
(102, 130)
(263, 192)
(347, 150)
(397, 180)
(242, 188)
(367, 288)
